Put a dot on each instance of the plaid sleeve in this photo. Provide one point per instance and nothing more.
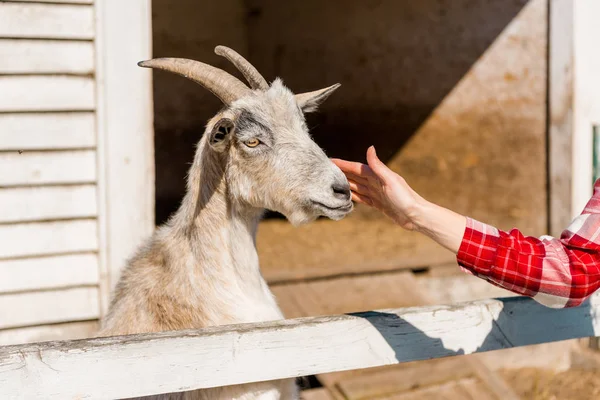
(555, 272)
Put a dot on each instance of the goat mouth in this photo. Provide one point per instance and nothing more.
(343, 208)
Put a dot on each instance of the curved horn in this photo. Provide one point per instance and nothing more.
(251, 74)
(226, 87)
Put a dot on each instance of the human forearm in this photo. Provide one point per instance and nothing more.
(440, 224)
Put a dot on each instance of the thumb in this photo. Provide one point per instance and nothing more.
(376, 165)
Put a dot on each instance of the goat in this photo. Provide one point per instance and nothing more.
(201, 268)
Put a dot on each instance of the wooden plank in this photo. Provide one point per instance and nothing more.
(353, 294)
(328, 249)
(47, 203)
(586, 86)
(386, 382)
(35, 308)
(48, 272)
(45, 238)
(316, 394)
(464, 389)
(56, 167)
(560, 133)
(55, 1)
(47, 131)
(48, 21)
(46, 56)
(66, 331)
(125, 133)
(134, 365)
(46, 93)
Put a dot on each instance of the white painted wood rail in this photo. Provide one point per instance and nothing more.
(136, 365)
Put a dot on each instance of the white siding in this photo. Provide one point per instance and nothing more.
(46, 21)
(46, 93)
(49, 199)
(47, 131)
(42, 203)
(54, 167)
(46, 307)
(48, 272)
(46, 238)
(46, 56)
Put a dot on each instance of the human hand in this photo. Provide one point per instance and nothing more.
(378, 186)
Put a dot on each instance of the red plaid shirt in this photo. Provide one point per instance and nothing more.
(555, 272)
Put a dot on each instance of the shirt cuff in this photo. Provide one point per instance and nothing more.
(478, 248)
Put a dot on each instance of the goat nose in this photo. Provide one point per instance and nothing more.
(341, 190)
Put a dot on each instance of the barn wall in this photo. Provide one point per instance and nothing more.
(452, 93)
(184, 29)
(49, 267)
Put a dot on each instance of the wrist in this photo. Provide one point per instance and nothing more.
(440, 224)
(418, 214)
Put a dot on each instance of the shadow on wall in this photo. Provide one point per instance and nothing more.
(396, 62)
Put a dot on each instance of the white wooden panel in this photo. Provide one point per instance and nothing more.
(23, 309)
(46, 93)
(31, 334)
(45, 238)
(32, 168)
(46, 56)
(125, 132)
(134, 365)
(57, 1)
(560, 129)
(47, 203)
(50, 21)
(47, 131)
(586, 95)
(48, 272)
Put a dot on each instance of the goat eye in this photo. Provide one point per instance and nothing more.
(252, 142)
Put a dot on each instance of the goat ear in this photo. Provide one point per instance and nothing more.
(310, 101)
(220, 134)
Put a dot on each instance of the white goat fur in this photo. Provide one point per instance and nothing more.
(201, 268)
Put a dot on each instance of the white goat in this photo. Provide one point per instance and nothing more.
(201, 268)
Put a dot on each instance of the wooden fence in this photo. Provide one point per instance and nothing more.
(145, 364)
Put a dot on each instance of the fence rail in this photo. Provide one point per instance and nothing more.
(136, 365)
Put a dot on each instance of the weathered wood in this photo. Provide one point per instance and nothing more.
(317, 394)
(125, 133)
(47, 203)
(36, 308)
(351, 294)
(46, 238)
(134, 365)
(382, 382)
(56, 1)
(46, 56)
(42, 333)
(54, 131)
(47, 21)
(586, 86)
(464, 389)
(560, 134)
(56, 167)
(46, 93)
(48, 272)
(328, 249)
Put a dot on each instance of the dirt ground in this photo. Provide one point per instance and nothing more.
(538, 384)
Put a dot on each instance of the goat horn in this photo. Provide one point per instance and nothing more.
(251, 74)
(223, 85)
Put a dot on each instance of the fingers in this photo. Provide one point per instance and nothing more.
(376, 165)
(358, 188)
(351, 168)
(359, 198)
